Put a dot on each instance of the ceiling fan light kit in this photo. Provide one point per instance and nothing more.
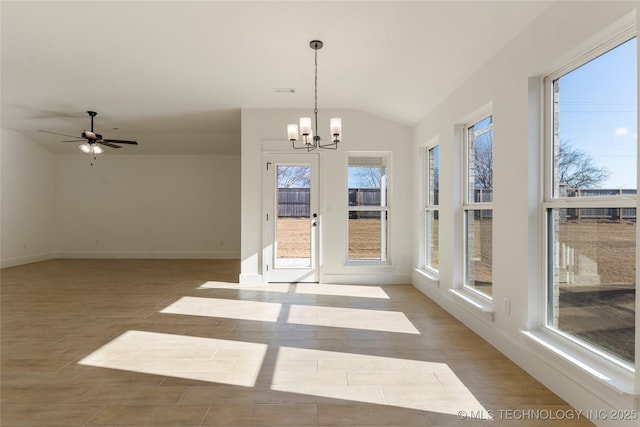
(85, 147)
(92, 141)
(309, 141)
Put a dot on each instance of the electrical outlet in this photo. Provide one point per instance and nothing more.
(506, 305)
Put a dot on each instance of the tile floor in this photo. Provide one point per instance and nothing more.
(179, 343)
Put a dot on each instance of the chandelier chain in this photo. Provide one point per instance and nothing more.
(316, 83)
(310, 139)
(315, 109)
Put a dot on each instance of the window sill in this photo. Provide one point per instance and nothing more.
(613, 375)
(431, 275)
(479, 304)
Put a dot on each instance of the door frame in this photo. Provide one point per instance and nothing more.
(271, 273)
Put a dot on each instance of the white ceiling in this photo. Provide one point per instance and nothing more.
(174, 75)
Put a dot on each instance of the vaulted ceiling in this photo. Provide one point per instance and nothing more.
(174, 75)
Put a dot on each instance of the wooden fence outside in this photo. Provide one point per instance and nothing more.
(613, 214)
(364, 197)
(294, 203)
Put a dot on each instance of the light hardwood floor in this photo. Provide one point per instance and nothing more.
(180, 343)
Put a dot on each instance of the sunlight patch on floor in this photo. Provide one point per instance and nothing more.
(204, 359)
(353, 318)
(405, 383)
(227, 308)
(341, 290)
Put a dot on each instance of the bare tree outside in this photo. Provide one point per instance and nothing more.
(576, 168)
(293, 176)
(367, 177)
(483, 167)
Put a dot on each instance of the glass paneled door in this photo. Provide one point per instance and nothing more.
(291, 218)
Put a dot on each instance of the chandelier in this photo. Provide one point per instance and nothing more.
(310, 140)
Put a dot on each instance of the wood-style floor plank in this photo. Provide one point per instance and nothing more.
(180, 343)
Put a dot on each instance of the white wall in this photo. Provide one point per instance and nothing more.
(27, 177)
(362, 132)
(163, 206)
(152, 206)
(510, 82)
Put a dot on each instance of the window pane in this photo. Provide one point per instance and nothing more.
(433, 181)
(480, 161)
(293, 245)
(368, 235)
(433, 247)
(365, 197)
(595, 125)
(478, 250)
(592, 276)
(367, 181)
(293, 226)
(432, 185)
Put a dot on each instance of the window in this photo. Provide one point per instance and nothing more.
(590, 200)
(431, 208)
(368, 216)
(478, 206)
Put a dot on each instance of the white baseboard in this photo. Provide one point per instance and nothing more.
(151, 255)
(28, 259)
(382, 278)
(251, 279)
(342, 279)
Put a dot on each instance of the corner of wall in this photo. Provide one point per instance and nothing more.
(26, 201)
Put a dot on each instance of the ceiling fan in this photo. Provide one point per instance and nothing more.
(91, 141)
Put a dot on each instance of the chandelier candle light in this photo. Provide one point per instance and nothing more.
(309, 140)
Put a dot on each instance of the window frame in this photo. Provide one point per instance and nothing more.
(471, 206)
(552, 201)
(430, 207)
(385, 256)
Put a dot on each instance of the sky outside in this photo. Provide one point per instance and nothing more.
(598, 113)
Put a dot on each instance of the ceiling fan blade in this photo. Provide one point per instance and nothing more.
(75, 140)
(120, 141)
(56, 133)
(108, 144)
